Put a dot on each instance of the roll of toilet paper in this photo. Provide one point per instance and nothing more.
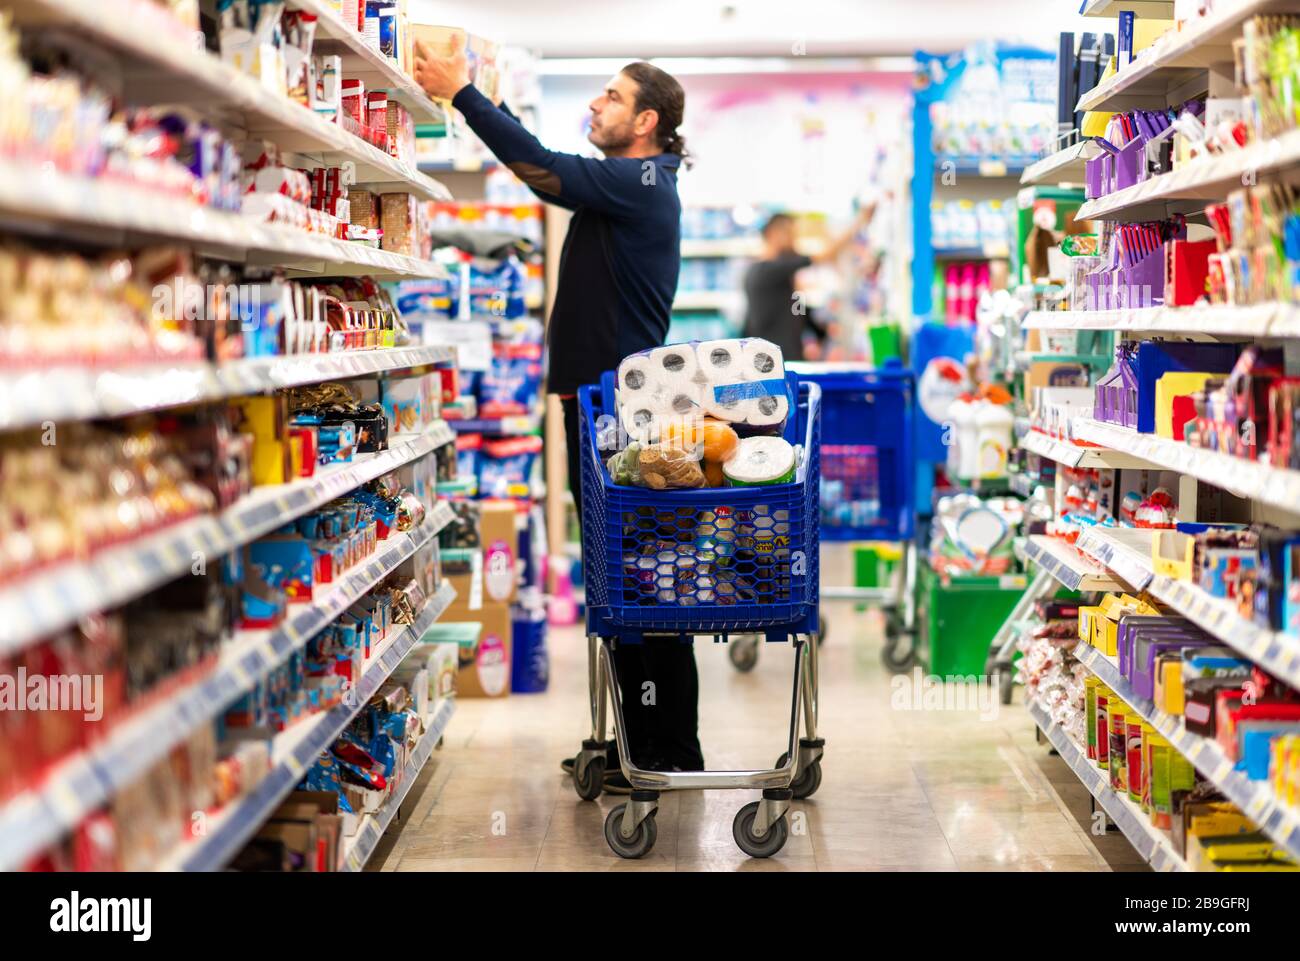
(719, 358)
(640, 422)
(761, 360)
(636, 377)
(767, 411)
(675, 363)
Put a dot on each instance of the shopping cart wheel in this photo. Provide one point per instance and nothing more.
(591, 781)
(822, 626)
(641, 841)
(742, 829)
(808, 780)
(899, 652)
(743, 652)
(1006, 684)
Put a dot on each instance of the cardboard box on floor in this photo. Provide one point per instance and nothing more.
(485, 667)
(469, 598)
(499, 535)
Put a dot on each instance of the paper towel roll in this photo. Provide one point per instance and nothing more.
(767, 411)
(761, 359)
(673, 362)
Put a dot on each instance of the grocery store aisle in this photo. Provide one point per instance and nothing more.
(904, 789)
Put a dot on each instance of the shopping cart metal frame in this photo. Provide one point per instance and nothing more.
(760, 828)
(849, 385)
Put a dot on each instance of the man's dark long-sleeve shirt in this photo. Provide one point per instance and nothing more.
(621, 257)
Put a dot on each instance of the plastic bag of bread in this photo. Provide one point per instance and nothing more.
(665, 467)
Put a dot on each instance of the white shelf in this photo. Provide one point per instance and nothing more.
(1275, 486)
(1259, 320)
(127, 214)
(1153, 844)
(294, 750)
(81, 393)
(1145, 9)
(1064, 166)
(1174, 68)
(363, 62)
(744, 247)
(1274, 651)
(706, 300)
(1073, 455)
(357, 852)
(1067, 565)
(82, 783)
(45, 602)
(1188, 187)
(1124, 550)
(983, 251)
(168, 67)
(1274, 817)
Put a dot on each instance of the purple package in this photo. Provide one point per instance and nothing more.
(1144, 660)
(1132, 625)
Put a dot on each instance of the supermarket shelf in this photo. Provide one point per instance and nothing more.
(989, 168)
(1067, 565)
(1064, 166)
(1149, 841)
(460, 166)
(167, 66)
(128, 214)
(1187, 188)
(1275, 486)
(1223, 320)
(706, 299)
(80, 393)
(1274, 817)
(1073, 455)
(989, 251)
(1154, 9)
(1274, 651)
(358, 850)
(744, 247)
(296, 748)
(499, 426)
(363, 62)
(1175, 67)
(45, 602)
(1126, 551)
(84, 782)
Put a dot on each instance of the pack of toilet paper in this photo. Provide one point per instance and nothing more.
(741, 381)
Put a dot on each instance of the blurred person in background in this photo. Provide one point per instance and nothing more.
(775, 309)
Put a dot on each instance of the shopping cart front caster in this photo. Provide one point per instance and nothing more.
(899, 652)
(641, 839)
(806, 781)
(743, 652)
(745, 828)
(589, 778)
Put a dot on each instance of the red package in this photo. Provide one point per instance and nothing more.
(1187, 265)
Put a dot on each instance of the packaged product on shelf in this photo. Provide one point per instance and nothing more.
(398, 221)
(507, 464)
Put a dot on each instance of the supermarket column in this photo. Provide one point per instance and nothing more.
(618, 275)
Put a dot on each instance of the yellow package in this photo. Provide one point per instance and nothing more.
(1175, 384)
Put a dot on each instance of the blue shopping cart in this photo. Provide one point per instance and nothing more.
(666, 566)
(867, 487)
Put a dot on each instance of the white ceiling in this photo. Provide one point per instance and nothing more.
(815, 28)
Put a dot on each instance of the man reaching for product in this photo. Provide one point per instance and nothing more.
(618, 276)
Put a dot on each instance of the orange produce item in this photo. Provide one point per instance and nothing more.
(713, 476)
(720, 440)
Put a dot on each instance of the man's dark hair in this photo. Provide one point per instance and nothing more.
(776, 220)
(660, 92)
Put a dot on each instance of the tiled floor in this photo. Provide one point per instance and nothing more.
(903, 789)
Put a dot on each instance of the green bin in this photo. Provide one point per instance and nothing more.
(962, 616)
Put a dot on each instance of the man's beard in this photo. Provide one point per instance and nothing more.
(612, 139)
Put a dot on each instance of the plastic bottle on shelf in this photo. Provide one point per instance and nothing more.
(993, 424)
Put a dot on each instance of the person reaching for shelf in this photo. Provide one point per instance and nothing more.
(775, 309)
(618, 275)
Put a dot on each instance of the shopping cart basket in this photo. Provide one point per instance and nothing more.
(867, 487)
(666, 566)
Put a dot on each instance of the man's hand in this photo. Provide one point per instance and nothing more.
(441, 77)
